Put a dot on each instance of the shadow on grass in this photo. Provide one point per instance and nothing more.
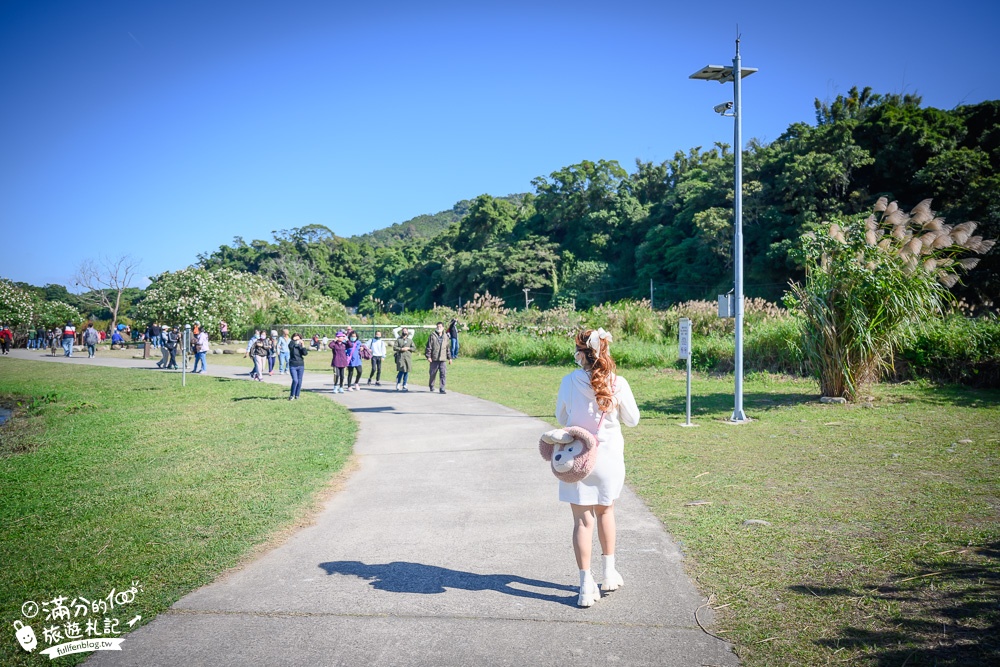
(821, 591)
(949, 614)
(404, 577)
(259, 398)
(706, 404)
(951, 394)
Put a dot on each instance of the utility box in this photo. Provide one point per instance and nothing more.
(727, 305)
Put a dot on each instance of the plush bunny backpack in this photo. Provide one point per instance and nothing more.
(572, 451)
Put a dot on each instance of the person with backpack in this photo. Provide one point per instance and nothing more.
(246, 353)
(171, 339)
(91, 338)
(259, 350)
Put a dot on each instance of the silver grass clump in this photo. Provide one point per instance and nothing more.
(921, 239)
(922, 212)
(935, 225)
(868, 281)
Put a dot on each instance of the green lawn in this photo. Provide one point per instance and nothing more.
(110, 476)
(883, 548)
(884, 543)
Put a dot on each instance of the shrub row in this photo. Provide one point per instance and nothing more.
(769, 346)
(954, 349)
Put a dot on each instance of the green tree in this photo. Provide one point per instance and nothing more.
(902, 138)
(568, 207)
(489, 220)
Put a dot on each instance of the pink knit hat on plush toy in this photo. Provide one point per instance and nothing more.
(572, 451)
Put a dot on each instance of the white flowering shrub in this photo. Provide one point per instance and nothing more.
(193, 294)
(16, 305)
(54, 314)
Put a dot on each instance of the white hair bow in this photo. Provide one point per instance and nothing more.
(594, 342)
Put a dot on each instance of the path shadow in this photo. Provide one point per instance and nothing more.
(404, 577)
(948, 613)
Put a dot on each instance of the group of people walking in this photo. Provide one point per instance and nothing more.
(349, 352)
(288, 351)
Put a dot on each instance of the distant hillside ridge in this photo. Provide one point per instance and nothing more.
(423, 226)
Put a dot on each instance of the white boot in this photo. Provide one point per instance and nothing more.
(589, 594)
(612, 580)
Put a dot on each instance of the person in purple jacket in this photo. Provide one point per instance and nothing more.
(353, 361)
(339, 362)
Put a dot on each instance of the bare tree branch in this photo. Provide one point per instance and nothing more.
(297, 277)
(105, 280)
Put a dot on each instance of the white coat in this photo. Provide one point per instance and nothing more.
(576, 405)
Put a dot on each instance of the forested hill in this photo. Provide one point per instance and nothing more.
(593, 231)
(423, 226)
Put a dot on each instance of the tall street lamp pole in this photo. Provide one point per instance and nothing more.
(724, 74)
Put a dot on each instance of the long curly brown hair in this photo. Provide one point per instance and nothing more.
(602, 369)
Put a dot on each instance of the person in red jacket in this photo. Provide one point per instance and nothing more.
(68, 339)
(6, 338)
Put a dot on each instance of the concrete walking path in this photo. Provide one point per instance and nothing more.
(446, 546)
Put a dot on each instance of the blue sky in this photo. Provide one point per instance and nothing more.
(164, 129)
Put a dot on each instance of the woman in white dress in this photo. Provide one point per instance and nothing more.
(595, 398)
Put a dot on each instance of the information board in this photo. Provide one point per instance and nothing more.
(684, 339)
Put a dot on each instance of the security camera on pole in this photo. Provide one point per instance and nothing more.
(725, 74)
